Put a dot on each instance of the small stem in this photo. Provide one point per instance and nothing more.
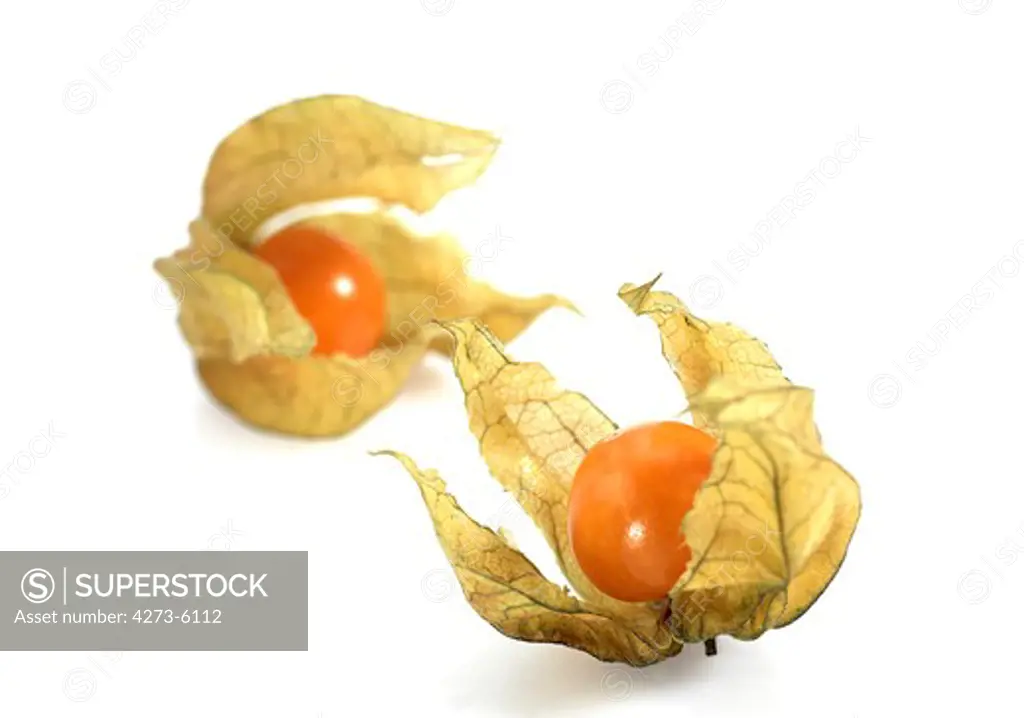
(710, 647)
(666, 614)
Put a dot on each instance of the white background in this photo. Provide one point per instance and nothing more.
(615, 166)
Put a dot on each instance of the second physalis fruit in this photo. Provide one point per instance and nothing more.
(332, 285)
(628, 500)
(315, 329)
(668, 533)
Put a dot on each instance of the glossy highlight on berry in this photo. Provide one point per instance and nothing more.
(628, 499)
(332, 285)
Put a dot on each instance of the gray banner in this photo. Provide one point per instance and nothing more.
(154, 600)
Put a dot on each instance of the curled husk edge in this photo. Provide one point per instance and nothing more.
(768, 530)
(251, 347)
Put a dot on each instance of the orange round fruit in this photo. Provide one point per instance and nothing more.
(627, 503)
(332, 285)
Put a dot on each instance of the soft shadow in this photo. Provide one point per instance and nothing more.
(544, 679)
(216, 422)
(427, 379)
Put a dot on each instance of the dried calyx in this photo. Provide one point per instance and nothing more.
(255, 349)
(767, 532)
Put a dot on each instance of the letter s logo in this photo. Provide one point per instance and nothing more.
(37, 585)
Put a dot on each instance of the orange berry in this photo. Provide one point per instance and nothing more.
(627, 503)
(332, 285)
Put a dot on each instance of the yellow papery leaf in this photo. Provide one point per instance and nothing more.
(314, 395)
(252, 347)
(533, 435)
(697, 350)
(335, 146)
(508, 591)
(771, 525)
(232, 305)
